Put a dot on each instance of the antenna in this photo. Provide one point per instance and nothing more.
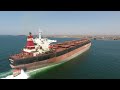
(40, 33)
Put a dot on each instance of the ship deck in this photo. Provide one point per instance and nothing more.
(55, 48)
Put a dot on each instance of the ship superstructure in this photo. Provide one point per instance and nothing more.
(38, 45)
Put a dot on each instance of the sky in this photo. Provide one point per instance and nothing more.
(60, 22)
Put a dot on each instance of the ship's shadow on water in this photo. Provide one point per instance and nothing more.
(61, 71)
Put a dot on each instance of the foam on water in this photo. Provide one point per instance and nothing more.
(26, 75)
(4, 74)
(23, 75)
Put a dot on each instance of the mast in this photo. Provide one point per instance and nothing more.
(40, 34)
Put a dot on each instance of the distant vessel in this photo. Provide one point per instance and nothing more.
(39, 53)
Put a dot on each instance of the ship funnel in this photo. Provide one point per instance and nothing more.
(30, 43)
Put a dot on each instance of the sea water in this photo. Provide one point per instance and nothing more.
(101, 61)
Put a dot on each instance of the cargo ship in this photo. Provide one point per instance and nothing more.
(41, 52)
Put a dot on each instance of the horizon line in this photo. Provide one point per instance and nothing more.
(58, 34)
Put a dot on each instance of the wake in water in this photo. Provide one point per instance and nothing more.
(5, 74)
(26, 75)
(22, 75)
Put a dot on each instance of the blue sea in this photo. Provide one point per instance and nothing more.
(101, 61)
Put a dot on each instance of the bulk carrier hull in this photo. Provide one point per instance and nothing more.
(55, 60)
(39, 53)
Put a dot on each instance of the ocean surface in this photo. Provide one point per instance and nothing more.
(101, 61)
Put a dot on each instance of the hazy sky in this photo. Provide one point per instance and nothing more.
(60, 22)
